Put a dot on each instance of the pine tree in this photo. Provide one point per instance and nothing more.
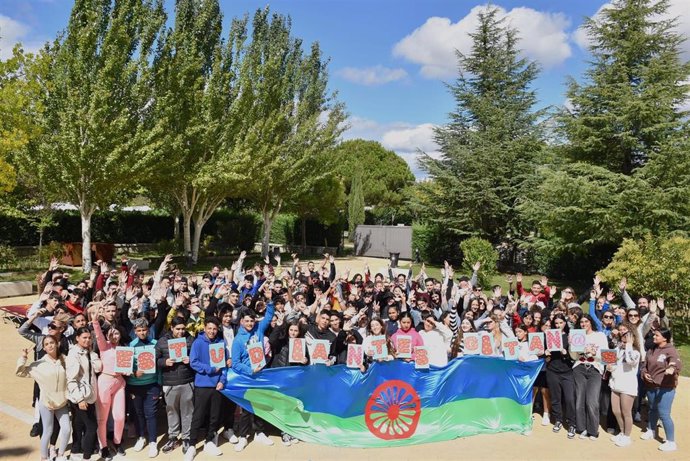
(628, 106)
(492, 139)
(355, 204)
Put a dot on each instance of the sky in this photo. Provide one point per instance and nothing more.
(390, 60)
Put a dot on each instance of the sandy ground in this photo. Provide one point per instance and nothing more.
(16, 414)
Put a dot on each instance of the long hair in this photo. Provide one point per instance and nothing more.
(60, 357)
(632, 329)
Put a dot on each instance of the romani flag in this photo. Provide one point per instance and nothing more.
(392, 403)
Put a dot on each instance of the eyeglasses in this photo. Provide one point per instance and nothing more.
(52, 326)
(587, 359)
(608, 317)
(633, 315)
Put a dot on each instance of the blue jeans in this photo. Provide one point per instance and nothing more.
(145, 405)
(660, 402)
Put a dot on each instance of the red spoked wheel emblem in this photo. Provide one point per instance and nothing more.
(393, 410)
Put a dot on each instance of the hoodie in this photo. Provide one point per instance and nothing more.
(240, 356)
(200, 360)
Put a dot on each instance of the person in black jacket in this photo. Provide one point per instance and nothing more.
(178, 387)
(559, 377)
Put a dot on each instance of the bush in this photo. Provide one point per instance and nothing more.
(51, 249)
(657, 267)
(476, 249)
(169, 247)
(8, 257)
(434, 244)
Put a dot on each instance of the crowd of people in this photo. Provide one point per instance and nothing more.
(77, 326)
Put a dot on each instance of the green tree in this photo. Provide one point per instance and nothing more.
(627, 107)
(198, 80)
(624, 172)
(355, 204)
(96, 80)
(384, 180)
(290, 122)
(491, 143)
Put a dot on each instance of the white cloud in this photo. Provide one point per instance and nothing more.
(376, 75)
(405, 139)
(433, 44)
(13, 32)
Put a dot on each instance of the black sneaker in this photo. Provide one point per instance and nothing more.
(557, 427)
(105, 453)
(170, 445)
(35, 430)
(571, 432)
(185, 446)
(119, 451)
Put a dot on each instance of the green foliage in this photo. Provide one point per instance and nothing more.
(434, 244)
(385, 177)
(171, 246)
(492, 142)
(476, 249)
(355, 205)
(8, 257)
(627, 109)
(658, 267)
(53, 249)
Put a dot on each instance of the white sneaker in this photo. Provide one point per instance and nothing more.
(545, 420)
(212, 449)
(76, 457)
(61, 458)
(584, 435)
(230, 436)
(153, 450)
(614, 438)
(668, 446)
(647, 435)
(263, 439)
(241, 444)
(294, 440)
(191, 453)
(141, 443)
(623, 441)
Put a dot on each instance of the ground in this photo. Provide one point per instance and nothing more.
(16, 414)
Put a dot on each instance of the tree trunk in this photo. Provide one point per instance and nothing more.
(40, 243)
(187, 231)
(266, 236)
(304, 236)
(86, 239)
(198, 227)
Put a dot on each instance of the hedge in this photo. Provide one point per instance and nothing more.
(435, 245)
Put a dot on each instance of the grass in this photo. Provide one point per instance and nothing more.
(684, 351)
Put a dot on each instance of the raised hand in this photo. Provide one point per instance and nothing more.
(133, 269)
(597, 280)
(476, 266)
(652, 306)
(553, 290)
(623, 284)
(660, 303)
(518, 277)
(53, 263)
(609, 296)
(498, 291)
(544, 281)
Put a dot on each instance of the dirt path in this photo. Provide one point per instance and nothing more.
(15, 444)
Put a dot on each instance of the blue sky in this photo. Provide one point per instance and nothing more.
(389, 58)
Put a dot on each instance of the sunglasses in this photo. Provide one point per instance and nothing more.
(607, 317)
(52, 326)
(633, 315)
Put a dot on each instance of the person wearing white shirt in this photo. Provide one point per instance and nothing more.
(436, 338)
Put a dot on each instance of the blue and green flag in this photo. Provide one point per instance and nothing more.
(392, 404)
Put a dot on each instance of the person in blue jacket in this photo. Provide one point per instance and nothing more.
(251, 332)
(208, 382)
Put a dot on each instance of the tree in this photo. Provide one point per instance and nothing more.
(95, 143)
(628, 106)
(18, 111)
(355, 205)
(492, 142)
(624, 172)
(384, 180)
(290, 122)
(198, 80)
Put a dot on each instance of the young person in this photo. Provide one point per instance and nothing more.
(436, 337)
(111, 389)
(406, 329)
(660, 375)
(560, 380)
(144, 391)
(623, 382)
(208, 382)
(51, 377)
(178, 387)
(587, 373)
(81, 367)
(252, 332)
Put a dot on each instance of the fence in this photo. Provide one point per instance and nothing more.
(380, 241)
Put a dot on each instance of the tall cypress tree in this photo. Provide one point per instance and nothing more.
(355, 204)
(627, 108)
(491, 141)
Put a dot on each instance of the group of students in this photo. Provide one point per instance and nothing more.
(78, 329)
